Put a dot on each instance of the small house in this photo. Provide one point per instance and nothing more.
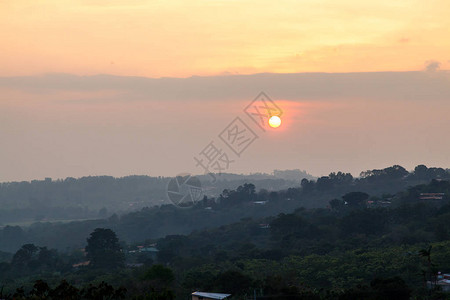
(209, 296)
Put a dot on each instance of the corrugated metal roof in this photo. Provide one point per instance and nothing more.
(211, 295)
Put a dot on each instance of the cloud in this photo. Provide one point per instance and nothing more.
(383, 86)
(432, 65)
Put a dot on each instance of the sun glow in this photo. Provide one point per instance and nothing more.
(274, 121)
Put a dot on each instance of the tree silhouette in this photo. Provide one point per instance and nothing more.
(355, 199)
(24, 256)
(103, 250)
(429, 271)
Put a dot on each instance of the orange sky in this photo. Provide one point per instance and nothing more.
(159, 38)
(70, 126)
(346, 118)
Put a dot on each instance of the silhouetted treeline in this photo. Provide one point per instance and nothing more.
(101, 196)
(230, 206)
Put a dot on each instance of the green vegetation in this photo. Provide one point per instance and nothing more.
(103, 250)
(228, 207)
(358, 245)
(96, 197)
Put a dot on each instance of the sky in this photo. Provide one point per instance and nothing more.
(93, 87)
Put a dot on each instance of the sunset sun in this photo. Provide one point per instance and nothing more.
(274, 121)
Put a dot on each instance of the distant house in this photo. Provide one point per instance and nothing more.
(444, 284)
(150, 251)
(208, 296)
(260, 202)
(385, 203)
(81, 264)
(431, 196)
(443, 281)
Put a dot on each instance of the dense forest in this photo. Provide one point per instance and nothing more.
(385, 235)
(96, 197)
(228, 206)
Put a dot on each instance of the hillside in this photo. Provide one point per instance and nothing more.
(345, 251)
(230, 206)
(97, 197)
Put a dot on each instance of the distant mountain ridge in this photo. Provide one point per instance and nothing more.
(100, 196)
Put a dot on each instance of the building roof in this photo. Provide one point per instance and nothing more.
(444, 282)
(211, 295)
(81, 264)
(148, 249)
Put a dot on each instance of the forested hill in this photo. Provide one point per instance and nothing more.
(97, 197)
(307, 253)
(350, 250)
(378, 186)
(100, 196)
